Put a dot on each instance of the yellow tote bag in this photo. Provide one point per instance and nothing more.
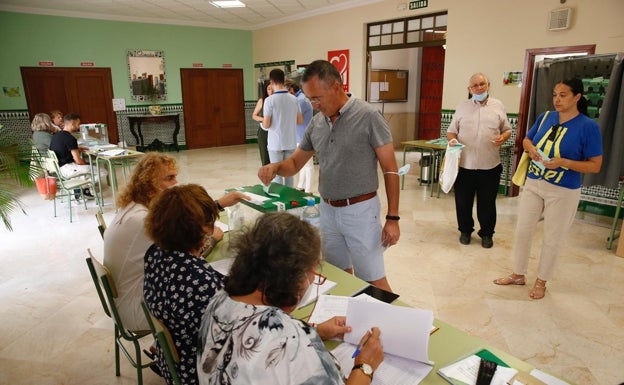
(519, 177)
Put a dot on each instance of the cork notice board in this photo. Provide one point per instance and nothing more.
(388, 86)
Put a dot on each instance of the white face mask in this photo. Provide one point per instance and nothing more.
(309, 292)
(480, 97)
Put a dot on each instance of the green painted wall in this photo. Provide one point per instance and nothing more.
(28, 39)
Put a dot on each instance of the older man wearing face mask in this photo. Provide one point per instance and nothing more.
(481, 124)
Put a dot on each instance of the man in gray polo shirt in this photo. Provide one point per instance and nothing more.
(350, 137)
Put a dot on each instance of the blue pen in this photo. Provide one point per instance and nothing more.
(360, 346)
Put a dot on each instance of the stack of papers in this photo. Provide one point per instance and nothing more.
(114, 152)
(465, 371)
(404, 335)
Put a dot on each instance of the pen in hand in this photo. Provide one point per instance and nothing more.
(360, 346)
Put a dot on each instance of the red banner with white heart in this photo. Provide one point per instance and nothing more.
(340, 60)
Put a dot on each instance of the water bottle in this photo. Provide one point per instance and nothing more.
(236, 217)
(311, 213)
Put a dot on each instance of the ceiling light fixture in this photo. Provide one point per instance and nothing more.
(228, 4)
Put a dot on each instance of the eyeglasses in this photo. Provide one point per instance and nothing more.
(479, 85)
(315, 100)
(554, 132)
(319, 279)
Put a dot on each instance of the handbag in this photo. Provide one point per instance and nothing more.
(519, 177)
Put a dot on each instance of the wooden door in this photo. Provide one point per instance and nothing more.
(432, 80)
(526, 91)
(86, 91)
(213, 103)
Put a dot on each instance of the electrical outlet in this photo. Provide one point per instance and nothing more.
(119, 104)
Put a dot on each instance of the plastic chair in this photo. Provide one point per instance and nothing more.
(107, 292)
(66, 186)
(101, 223)
(163, 336)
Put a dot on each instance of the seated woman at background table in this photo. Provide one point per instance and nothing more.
(179, 283)
(248, 336)
(42, 132)
(57, 120)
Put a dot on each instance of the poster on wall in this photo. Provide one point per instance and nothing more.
(340, 60)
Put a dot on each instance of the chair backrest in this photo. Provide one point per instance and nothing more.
(37, 165)
(51, 164)
(107, 291)
(97, 269)
(163, 336)
(101, 223)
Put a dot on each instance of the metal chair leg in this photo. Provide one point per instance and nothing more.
(117, 369)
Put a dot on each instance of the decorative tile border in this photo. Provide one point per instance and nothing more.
(18, 124)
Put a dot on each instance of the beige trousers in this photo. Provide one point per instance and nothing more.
(558, 206)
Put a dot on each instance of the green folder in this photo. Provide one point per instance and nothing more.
(488, 355)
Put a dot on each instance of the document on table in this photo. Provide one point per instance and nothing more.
(404, 330)
(222, 265)
(225, 228)
(465, 371)
(404, 334)
(115, 152)
(393, 370)
(328, 306)
(547, 378)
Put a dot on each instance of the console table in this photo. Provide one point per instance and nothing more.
(138, 120)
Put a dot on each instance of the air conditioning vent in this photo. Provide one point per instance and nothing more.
(559, 19)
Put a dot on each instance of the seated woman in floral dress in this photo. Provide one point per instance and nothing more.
(248, 336)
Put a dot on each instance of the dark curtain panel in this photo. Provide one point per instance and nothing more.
(611, 121)
(550, 71)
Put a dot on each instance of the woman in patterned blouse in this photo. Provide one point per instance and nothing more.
(248, 336)
(179, 284)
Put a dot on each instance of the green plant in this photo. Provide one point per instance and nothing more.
(14, 174)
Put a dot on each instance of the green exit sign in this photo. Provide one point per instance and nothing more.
(418, 4)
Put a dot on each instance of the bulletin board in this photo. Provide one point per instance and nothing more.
(387, 86)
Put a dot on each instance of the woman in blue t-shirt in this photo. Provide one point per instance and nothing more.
(562, 145)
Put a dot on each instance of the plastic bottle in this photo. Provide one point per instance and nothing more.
(311, 213)
(236, 217)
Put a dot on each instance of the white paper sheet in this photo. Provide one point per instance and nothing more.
(225, 228)
(115, 152)
(222, 265)
(256, 199)
(404, 331)
(467, 369)
(328, 306)
(392, 371)
(547, 378)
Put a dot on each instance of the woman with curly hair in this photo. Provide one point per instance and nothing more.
(248, 336)
(125, 240)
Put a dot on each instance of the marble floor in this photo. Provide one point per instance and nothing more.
(53, 330)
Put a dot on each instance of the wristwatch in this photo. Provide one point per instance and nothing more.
(365, 368)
